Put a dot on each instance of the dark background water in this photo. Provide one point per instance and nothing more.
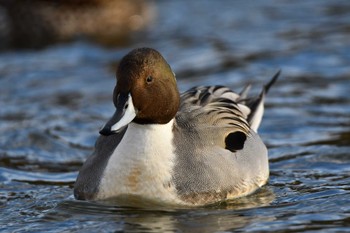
(54, 100)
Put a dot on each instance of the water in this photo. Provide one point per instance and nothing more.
(54, 100)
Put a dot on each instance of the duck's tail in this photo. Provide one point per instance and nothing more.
(256, 104)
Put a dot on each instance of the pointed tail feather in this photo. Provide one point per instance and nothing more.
(256, 104)
(244, 93)
(272, 81)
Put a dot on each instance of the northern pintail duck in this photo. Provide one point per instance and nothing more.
(197, 148)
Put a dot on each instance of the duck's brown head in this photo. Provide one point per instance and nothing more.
(146, 91)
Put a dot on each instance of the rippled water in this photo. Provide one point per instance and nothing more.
(53, 101)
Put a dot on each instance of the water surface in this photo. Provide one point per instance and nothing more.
(53, 102)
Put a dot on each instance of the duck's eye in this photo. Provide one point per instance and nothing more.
(149, 79)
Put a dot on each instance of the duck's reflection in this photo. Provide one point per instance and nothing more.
(231, 215)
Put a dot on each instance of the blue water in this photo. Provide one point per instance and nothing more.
(54, 100)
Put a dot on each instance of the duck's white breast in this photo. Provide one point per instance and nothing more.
(141, 165)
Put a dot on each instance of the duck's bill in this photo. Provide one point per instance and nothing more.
(123, 115)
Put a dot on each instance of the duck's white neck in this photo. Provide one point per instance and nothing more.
(147, 142)
(141, 164)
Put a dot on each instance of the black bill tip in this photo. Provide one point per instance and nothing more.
(106, 131)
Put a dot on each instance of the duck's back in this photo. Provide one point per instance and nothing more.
(218, 155)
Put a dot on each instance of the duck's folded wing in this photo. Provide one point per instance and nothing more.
(213, 115)
(220, 116)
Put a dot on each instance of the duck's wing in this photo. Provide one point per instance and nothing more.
(214, 113)
(217, 108)
(219, 154)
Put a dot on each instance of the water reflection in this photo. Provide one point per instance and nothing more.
(220, 217)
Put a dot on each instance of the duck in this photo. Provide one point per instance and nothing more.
(160, 147)
(40, 23)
